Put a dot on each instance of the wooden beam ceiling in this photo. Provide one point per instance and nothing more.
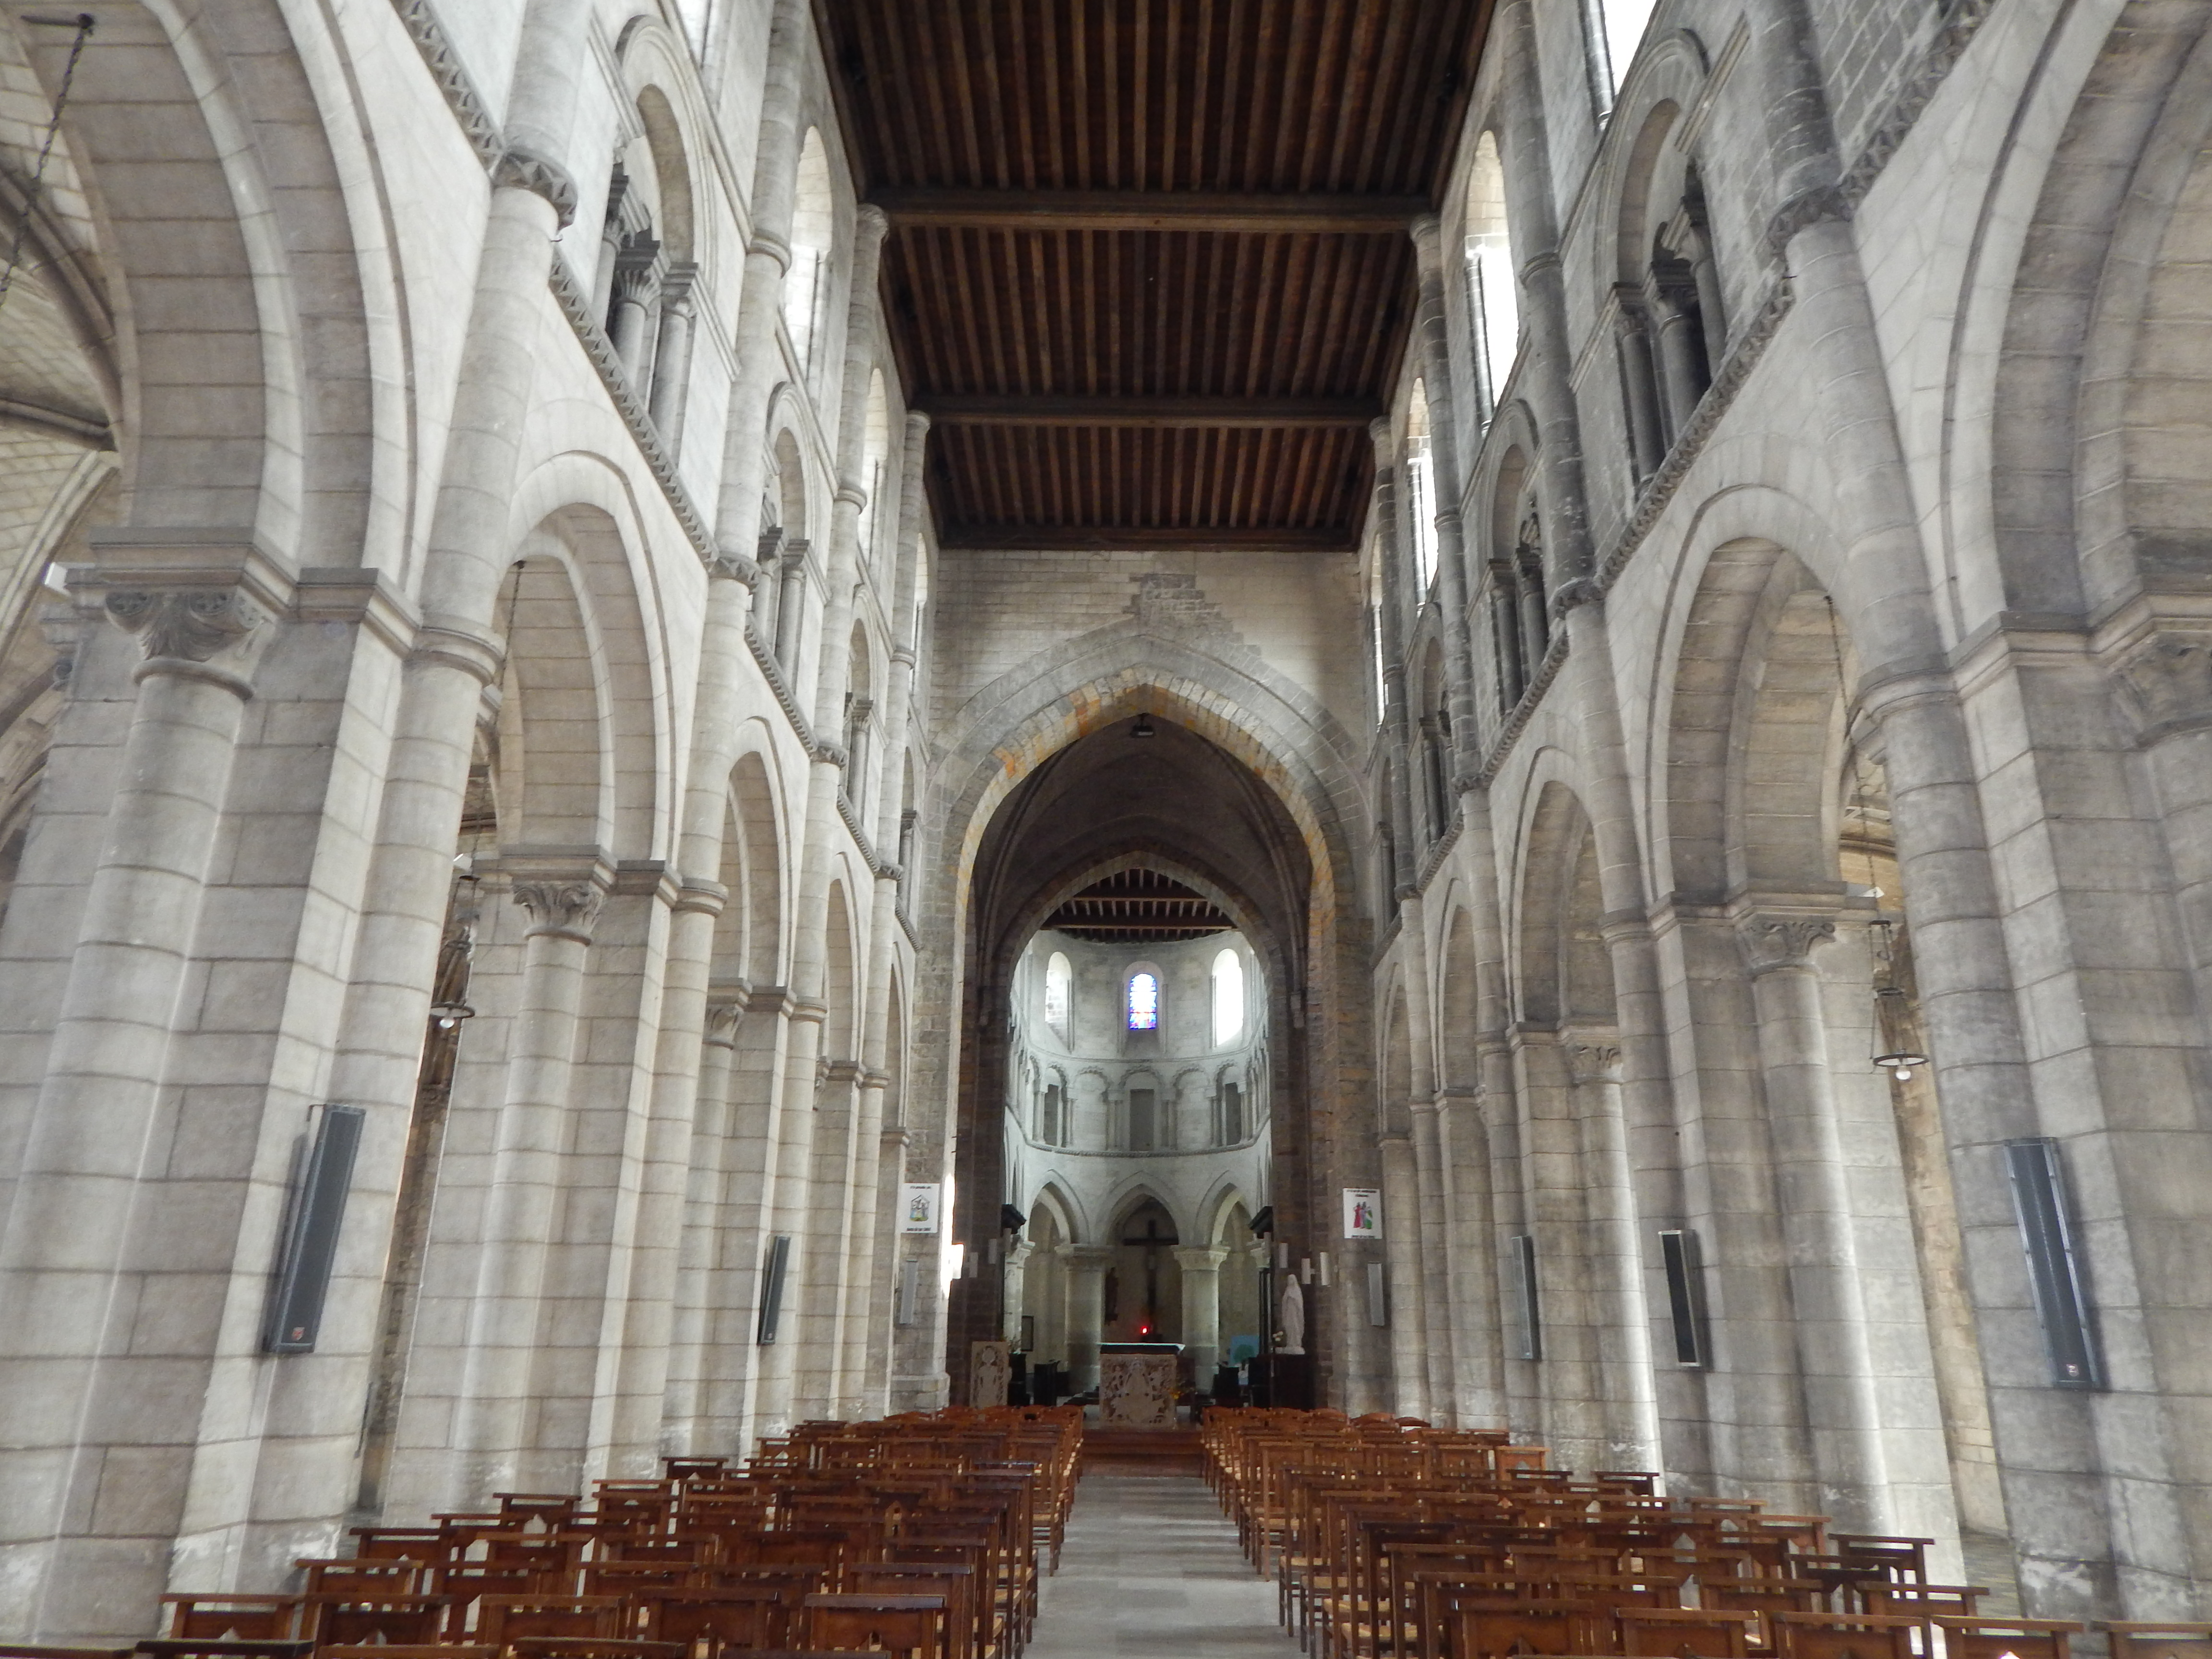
(1149, 268)
(1222, 212)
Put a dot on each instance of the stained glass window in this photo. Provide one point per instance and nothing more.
(1144, 1002)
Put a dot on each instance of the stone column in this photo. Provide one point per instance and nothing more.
(1813, 1195)
(492, 1428)
(1439, 1305)
(1391, 620)
(703, 1233)
(82, 1266)
(788, 1205)
(1086, 1312)
(1433, 344)
(665, 1179)
(1615, 1251)
(1016, 1265)
(671, 356)
(1201, 1309)
(1401, 1253)
(630, 323)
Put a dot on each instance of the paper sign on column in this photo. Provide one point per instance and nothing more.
(918, 1206)
(1362, 1212)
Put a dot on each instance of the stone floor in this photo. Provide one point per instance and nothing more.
(1151, 1566)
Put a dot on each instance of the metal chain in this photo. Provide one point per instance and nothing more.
(84, 26)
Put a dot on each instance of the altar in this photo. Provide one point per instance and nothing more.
(1137, 1384)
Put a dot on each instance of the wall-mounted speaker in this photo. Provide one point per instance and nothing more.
(772, 1272)
(2039, 1199)
(910, 1293)
(310, 1249)
(1686, 1296)
(1528, 1312)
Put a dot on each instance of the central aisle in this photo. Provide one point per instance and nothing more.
(1151, 1566)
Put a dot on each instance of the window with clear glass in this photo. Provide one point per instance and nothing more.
(1227, 996)
(1057, 978)
(1421, 491)
(1621, 22)
(1493, 287)
(1144, 1002)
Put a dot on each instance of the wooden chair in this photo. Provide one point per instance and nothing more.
(225, 1616)
(596, 1647)
(1905, 1559)
(376, 1577)
(1844, 1636)
(761, 1616)
(1493, 1630)
(405, 1650)
(910, 1624)
(504, 1619)
(1922, 1601)
(2007, 1638)
(47, 1650)
(2165, 1638)
(1686, 1632)
(218, 1648)
(353, 1618)
(970, 1631)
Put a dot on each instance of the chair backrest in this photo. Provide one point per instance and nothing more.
(911, 1624)
(352, 1618)
(504, 1618)
(758, 1617)
(1703, 1632)
(2136, 1639)
(225, 1616)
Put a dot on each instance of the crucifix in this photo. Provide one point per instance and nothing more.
(1151, 1243)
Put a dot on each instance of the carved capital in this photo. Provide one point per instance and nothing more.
(1200, 1258)
(219, 627)
(1594, 1059)
(561, 907)
(520, 168)
(733, 568)
(1772, 941)
(2167, 682)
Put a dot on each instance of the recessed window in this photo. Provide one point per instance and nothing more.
(1057, 976)
(1227, 996)
(1144, 1002)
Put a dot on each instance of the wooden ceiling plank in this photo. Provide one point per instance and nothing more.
(1294, 125)
(1199, 66)
(1079, 60)
(1021, 85)
(1174, 411)
(1383, 87)
(1227, 213)
(964, 89)
(1355, 79)
(1056, 133)
(967, 536)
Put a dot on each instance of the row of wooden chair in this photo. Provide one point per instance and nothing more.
(919, 1534)
(1390, 1539)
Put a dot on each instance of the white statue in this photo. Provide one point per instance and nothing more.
(1294, 1317)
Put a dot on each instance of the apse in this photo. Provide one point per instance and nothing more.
(1139, 916)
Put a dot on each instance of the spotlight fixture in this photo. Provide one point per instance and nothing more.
(1144, 727)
